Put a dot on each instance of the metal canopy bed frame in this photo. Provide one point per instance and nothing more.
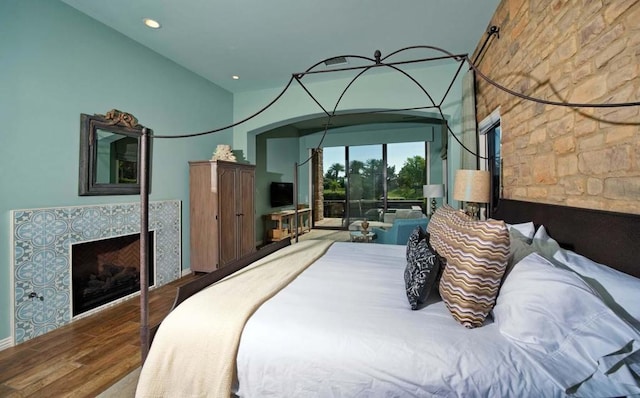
(574, 228)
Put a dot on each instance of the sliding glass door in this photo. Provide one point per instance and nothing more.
(406, 174)
(367, 181)
(333, 188)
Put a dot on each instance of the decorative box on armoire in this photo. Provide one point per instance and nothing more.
(221, 209)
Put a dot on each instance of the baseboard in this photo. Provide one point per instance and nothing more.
(6, 343)
(186, 272)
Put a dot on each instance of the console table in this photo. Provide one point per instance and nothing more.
(279, 225)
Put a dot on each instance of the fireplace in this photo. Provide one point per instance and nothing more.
(41, 256)
(106, 270)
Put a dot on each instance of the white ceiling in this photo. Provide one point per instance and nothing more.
(264, 42)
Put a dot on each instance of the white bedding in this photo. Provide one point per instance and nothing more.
(362, 339)
(194, 349)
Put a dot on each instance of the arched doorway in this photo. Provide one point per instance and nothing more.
(276, 149)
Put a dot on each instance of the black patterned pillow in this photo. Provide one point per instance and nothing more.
(421, 274)
(416, 236)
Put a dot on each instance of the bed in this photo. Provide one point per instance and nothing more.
(333, 320)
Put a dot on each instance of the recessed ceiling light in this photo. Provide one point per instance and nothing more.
(235, 77)
(151, 23)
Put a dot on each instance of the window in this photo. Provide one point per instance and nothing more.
(490, 148)
(366, 188)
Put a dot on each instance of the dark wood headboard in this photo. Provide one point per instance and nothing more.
(606, 237)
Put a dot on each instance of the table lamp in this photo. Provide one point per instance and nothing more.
(474, 188)
(433, 191)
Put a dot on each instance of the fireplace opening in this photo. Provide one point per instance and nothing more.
(106, 270)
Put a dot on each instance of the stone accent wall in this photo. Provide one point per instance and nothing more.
(318, 193)
(585, 51)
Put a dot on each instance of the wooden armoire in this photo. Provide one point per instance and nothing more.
(221, 209)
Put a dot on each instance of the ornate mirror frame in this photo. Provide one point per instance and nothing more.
(109, 154)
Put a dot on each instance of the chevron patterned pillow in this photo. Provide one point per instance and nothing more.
(476, 253)
(440, 224)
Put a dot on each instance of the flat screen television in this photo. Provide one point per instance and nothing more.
(281, 194)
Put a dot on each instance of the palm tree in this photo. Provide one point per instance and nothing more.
(334, 171)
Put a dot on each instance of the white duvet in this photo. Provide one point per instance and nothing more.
(344, 328)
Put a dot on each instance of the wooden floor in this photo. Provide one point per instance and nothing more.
(87, 356)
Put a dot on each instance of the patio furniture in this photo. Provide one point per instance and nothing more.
(400, 230)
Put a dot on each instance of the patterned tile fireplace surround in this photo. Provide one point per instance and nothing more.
(41, 247)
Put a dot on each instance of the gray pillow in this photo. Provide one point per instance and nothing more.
(518, 250)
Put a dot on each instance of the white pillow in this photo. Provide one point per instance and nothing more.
(562, 325)
(524, 230)
(619, 291)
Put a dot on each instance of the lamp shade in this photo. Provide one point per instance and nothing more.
(433, 191)
(472, 186)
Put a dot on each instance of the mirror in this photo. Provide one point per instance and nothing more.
(109, 154)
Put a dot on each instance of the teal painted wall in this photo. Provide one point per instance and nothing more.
(280, 168)
(56, 63)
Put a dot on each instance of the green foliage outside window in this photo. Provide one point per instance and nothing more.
(366, 180)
